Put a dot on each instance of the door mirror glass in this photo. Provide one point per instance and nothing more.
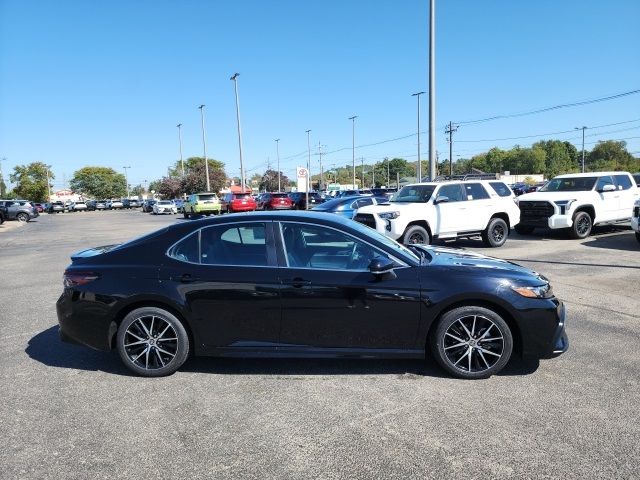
(381, 265)
(441, 199)
(608, 188)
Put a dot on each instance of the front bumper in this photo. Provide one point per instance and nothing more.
(635, 224)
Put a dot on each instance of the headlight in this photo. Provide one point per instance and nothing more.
(389, 215)
(564, 205)
(542, 291)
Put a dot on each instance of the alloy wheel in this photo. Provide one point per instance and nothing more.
(498, 233)
(150, 342)
(473, 344)
(584, 225)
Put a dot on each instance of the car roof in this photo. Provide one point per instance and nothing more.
(590, 174)
(447, 182)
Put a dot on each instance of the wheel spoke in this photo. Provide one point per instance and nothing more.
(465, 327)
(473, 327)
(470, 351)
(159, 357)
(483, 359)
(165, 352)
(164, 331)
(141, 353)
(129, 332)
(144, 327)
(456, 345)
(146, 359)
(151, 328)
(457, 338)
(463, 355)
(491, 339)
(135, 343)
(485, 333)
(166, 339)
(484, 350)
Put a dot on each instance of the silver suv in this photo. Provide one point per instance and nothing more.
(21, 210)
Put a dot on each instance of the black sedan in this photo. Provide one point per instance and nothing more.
(289, 284)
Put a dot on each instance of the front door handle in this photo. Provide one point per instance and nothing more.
(188, 278)
(298, 282)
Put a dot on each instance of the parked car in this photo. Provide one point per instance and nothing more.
(56, 207)
(635, 219)
(299, 200)
(386, 192)
(347, 207)
(274, 201)
(519, 188)
(347, 193)
(422, 212)
(237, 202)
(636, 177)
(131, 203)
(577, 202)
(3, 214)
(179, 204)
(114, 204)
(39, 207)
(193, 287)
(21, 210)
(165, 206)
(78, 207)
(205, 203)
(147, 205)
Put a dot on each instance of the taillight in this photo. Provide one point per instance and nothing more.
(73, 278)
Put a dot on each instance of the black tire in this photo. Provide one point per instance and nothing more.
(523, 229)
(416, 234)
(482, 358)
(638, 236)
(496, 233)
(140, 330)
(185, 213)
(582, 225)
(22, 217)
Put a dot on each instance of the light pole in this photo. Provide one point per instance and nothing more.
(362, 163)
(235, 84)
(278, 155)
(419, 170)
(321, 172)
(583, 129)
(204, 147)
(126, 179)
(2, 179)
(353, 147)
(308, 167)
(388, 176)
(180, 144)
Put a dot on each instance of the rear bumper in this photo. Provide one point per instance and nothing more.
(84, 324)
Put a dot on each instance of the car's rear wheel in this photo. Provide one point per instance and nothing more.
(523, 229)
(416, 234)
(582, 225)
(496, 233)
(638, 236)
(22, 217)
(152, 342)
(472, 342)
(186, 215)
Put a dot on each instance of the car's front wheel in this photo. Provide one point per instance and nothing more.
(638, 236)
(416, 234)
(152, 342)
(496, 233)
(582, 225)
(472, 342)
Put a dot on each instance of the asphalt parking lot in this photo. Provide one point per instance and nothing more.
(70, 412)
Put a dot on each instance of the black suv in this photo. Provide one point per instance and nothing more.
(299, 200)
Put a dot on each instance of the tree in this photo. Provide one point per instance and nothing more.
(196, 181)
(269, 181)
(99, 182)
(610, 155)
(561, 157)
(137, 190)
(193, 162)
(31, 181)
(170, 187)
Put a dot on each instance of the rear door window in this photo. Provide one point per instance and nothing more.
(475, 191)
(623, 181)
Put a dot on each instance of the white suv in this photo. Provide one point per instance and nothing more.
(422, 212)
(579, 201)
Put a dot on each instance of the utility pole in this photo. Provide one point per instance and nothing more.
(235, 84)
(308, 168)
(583, 129)
(353, 147)
(321, 172)
(180, 143)
(450, 129)
(398, 180)
(419, 169)
(362, 162)
(204, 147)
(126, 179)
(48, 183)
(432, 89)
(373, 175)
(2, 192)
(277, 140)
(388, 176)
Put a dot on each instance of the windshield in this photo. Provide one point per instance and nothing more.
(332, 204)
(210, 196)
(414, 193)
(370, 232)
(570, 184)
(165, 202)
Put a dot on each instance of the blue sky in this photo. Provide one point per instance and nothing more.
(105, 83)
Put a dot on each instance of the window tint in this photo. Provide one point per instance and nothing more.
(475, 191)
(312, 246)
(187, 250)
(602, 181)
(501, 189)
(234, 245)
(452, 192)
(623, 181)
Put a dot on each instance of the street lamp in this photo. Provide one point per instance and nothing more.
(180, 143)
(126, 179)
(277, 140)
(583, 129)
(419, 170)
(204, 147)
(308, 167)
(235, 85)
(353, 147)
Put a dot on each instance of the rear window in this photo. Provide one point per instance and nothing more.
(240, 196)
(210, 196)
(279, 195)
(501, 189)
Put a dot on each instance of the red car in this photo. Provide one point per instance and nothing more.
(274, 201)
(237, 202)
(39, 207)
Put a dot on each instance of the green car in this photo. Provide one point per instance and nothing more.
(201, 204)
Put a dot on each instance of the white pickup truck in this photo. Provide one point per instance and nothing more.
(577, 202)
(422, 212)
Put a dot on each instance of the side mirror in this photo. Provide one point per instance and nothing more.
(608, 188)
(441, 199)
(380, 266)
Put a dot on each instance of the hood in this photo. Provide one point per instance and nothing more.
(481, 264)
(551, 196)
